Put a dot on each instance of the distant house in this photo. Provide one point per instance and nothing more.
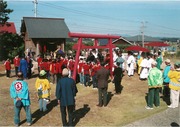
(138, 39)
(9, 28)
(44, 34)
(171, 49)
(120, 41)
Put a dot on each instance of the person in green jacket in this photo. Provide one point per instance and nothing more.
(159, 61)
(155, 81)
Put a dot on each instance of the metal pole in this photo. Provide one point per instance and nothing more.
(37, 45)
(143, 34)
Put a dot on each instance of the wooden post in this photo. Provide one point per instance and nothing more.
(111, 56)
(77, 58)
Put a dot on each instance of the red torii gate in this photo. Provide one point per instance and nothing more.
(96, 36)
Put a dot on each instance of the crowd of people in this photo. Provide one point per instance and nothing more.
(98, 69)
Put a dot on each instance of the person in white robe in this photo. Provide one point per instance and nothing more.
(95, 54)
(127, 67)
(144, 69)
(130, 64)
(149, 67)
(115, 56)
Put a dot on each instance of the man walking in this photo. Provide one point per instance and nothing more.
(102, 77)
(65, 93)
(20, 94)
(154, 83)
(174, 85)
(30, 65)
(23, 66)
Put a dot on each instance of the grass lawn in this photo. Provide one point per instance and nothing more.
(122, 109)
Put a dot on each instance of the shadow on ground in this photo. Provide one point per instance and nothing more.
(80, 113)
(173, 124)
(166, 99)
(34, 75)
(146, 98)
(38, 114)
(1, 75)
(109, 96)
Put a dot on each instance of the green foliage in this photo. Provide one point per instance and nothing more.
(122, 47)
(169, 55)
(9, 42)
(178, 54)
(89, 44)
(4, 12)
(12, 45)
(68, 46)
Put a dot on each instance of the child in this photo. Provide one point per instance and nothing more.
(43, 90)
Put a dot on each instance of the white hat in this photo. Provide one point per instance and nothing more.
(167, 60)
(154, 63)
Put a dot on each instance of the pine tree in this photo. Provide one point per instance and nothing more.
(4, 12)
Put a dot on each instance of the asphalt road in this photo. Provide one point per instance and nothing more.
(169, 118)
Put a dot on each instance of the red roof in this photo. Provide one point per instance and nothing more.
(137, 48)
(157, 44)
(9, 29)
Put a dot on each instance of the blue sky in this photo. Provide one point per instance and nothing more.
(162, 18)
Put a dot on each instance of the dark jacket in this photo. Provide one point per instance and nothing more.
(66, 91)
(117, 74)
(102, 77)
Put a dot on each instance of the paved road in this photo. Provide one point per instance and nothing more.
(169, 118)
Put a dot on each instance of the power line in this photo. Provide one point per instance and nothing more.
(164, 27)
(98, 16)
(85, 13)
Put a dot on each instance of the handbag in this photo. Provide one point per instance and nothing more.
(19, 104)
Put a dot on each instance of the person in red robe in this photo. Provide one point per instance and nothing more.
(16, 64)
(66, 61)
(80, 65)
(86, 72)
(8, 68)
(93, 74)
(39, 60)
(71, 66)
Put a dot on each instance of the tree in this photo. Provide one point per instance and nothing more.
(10, 44)
(13, 45)
(4, 12)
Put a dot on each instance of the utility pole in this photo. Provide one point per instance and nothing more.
(35, 8)
(143, 26)
(37, 44)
